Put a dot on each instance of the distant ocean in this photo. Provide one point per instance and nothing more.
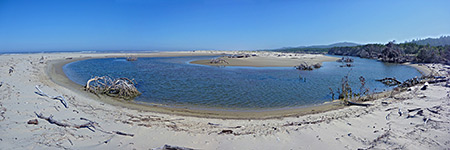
(80, 51)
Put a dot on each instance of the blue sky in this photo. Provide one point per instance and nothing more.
(49, 25)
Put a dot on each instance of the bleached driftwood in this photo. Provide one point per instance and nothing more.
(60, 97)
(120, 87)
(51, 120)
(218, 61)
(91, 125)
(304, 66)
(389, 81)
(358, 104)
(170, 147)
(123, 133)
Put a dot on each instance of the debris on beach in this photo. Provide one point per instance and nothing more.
(428, 79)
(91, 125)
(346, 59)
(424, 87)
(350, 103)
(346, 65)
(226, 132)
(389, 81)
(346, 62)
(170, 147)
(60, 97)
(218, 61)
(33, 121)
(306, 66)
(132, 58)
(121, 87)
(241, 55)
(11, 70)
(42, 60)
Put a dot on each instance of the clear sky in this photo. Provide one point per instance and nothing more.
(49, 25)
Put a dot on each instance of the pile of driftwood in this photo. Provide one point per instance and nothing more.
(389, 81)
(410, 82)
(305, 66)
(170, 147)
(121, 87)
(346, 65)
(241, 55)
(132, 58)
(414, 81)
(346, 59)
(346, 62)
(218, 61)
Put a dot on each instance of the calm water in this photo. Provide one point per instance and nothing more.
(174, 82)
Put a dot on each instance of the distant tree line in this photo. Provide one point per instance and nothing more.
(441, 41)
(397, 53)
(430, 50)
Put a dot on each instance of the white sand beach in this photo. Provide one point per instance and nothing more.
(415, 119)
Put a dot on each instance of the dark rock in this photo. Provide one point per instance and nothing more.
(317, 65)
(33, 121)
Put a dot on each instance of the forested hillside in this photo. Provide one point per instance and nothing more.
(441, 41)
(397, 53)
(430, 50)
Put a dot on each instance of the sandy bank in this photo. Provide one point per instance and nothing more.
(415, 119)
(271, 59)
(423, 69)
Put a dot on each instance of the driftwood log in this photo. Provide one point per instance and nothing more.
(171, 147)
(346, 59)
(121, 87)
(60, 97)
(241, 55)
(346, 65)
(218, 61)
(389, 81)
(91, 125)
(357, 104)
(132, 58)
(11, 70)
